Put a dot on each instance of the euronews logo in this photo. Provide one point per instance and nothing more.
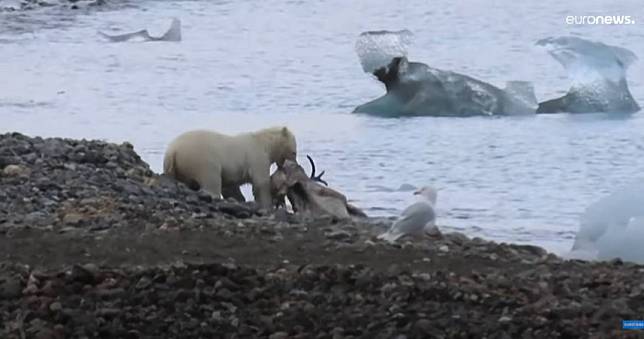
(600, 20)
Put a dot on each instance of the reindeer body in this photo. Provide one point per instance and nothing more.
(307, 195)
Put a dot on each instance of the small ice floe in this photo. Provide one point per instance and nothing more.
(173, 34)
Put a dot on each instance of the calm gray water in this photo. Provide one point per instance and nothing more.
(244, 65)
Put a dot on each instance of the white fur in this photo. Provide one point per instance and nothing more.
(221, 163)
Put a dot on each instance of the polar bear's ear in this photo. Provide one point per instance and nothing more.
(285, 131)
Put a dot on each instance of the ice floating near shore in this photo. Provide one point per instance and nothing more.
(625, 244)
(613, 227)
(416, 89)
(597, 72)
(598, 75)
(376, 49)
(172, 34)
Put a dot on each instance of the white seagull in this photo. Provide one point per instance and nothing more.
(416, 219)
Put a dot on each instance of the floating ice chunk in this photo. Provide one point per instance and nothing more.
(597, 73)
(376, 49)
(613, 227)
(612, 212)
(416, 89)
(625, 243)
(583, 58)
(172, 34)
(522, 92)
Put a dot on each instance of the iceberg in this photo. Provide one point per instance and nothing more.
(416, 89)
(598, 77)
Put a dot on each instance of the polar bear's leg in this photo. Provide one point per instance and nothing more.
(232, 191)
(212, 183)
(262, 191)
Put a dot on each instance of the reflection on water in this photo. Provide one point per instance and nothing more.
(247, 65)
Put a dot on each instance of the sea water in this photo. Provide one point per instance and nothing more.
(244, 65)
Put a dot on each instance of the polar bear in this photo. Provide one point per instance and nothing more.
(220, 163)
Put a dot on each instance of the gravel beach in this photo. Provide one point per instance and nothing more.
(96, 245)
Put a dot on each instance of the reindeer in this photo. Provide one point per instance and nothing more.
(309, 194)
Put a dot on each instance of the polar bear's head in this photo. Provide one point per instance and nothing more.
(287, 146)
(279, 142)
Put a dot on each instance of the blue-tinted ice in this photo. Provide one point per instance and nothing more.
(598, 75)
(416, 89)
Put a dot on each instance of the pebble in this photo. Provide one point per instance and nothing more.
(72, 219)
(338, 235)
(278, 335)
(505, 319)
(10, 288)
(55, 306)
(15, 171)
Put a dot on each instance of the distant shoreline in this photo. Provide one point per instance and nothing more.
(29, 5)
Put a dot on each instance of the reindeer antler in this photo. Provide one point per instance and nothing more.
(313, 177)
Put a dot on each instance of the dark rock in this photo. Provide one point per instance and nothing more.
(143, 283)
(47, 334)
(82, 275)
(108, 312)
(73, 219)
(237, 210)
(338, 235)
(278, 335)
(10, 288)
(56, 307)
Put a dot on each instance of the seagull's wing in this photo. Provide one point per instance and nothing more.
(413, 219)
(390, 236)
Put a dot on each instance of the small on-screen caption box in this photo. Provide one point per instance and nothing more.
(633, 324)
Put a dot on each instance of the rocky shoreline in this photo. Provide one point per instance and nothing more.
(97, 245)
(28, 5)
